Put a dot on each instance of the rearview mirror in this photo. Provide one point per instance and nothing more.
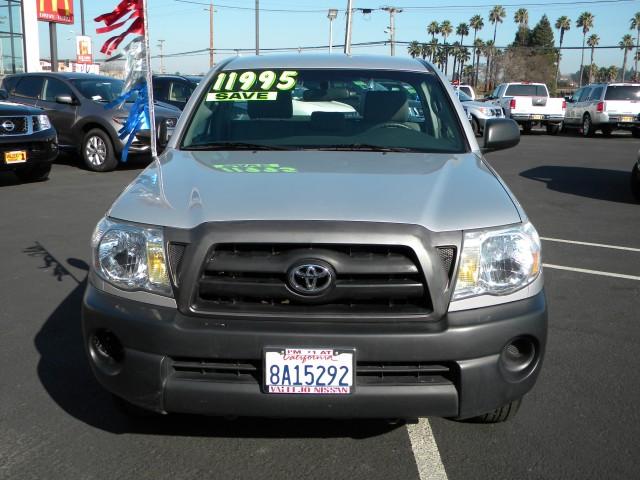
(500, 133)
(65, 99)
(3, 94)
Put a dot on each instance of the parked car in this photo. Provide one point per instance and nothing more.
(28, 142)
(530, 104)
(635, 179)
(325, 265)
(478, 112)
(605, 107)
(467, 90)
(174, 89)
(75, 103)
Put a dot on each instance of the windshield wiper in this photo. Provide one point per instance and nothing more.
(364, 147)
(234, 146)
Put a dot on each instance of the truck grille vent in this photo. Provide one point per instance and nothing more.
(369, 279)
(447, 257)
(175, 252)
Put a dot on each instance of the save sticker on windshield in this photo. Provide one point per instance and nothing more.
(251, 85)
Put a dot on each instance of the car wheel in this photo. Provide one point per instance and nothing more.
(526, 127)
(475, 125)
(502, 414)
(587, 126)
(97, 151)
(35, 173)
(606, 131)
(635, 182)
(553, 128)
(635, 132)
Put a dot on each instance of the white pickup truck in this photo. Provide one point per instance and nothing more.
(528, 104)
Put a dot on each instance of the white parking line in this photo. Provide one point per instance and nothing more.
(589, 244)
(591, 272)
(425, 451)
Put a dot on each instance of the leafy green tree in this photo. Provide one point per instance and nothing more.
(542, 36)
(414, 49)
(592, 42)
(585, 21)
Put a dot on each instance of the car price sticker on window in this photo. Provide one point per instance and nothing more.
(319, 371)
(251, 86)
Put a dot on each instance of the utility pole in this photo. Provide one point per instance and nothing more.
(211, 62)
(333, 13)
(82, 17)
(392, 27)
(347, 33)
(161, 45)
(257, 27)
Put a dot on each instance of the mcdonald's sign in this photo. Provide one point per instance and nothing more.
(57, 11)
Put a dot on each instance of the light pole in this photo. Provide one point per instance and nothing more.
(257, 27)
(161, 46)
(347, 32)
(333, 13)
(392, 27)
(211, 10)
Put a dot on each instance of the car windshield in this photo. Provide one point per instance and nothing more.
(463, 96)
(526, 91)
(622, 92)
(466, 91)
(325, 109)
(99, 89)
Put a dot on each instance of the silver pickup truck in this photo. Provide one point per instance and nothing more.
(279, 261)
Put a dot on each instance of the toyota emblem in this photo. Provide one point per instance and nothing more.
(310, 278)
(8, 126)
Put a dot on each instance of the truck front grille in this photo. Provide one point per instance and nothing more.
(369, 279)
(13, 125)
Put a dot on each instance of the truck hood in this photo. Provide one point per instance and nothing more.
(438, 191)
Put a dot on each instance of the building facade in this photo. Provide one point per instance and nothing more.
(19, 45)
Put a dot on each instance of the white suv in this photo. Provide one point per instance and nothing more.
(606, 107)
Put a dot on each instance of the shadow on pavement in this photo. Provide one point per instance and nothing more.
(64, 372)
(597, 183)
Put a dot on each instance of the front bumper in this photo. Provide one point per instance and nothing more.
(469, 343)
(40, 147)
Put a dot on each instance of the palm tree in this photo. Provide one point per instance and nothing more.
(478, 44)
(626, 45)
(463, 57)
(585, 21)
(592, 42)
(426, 50)
(463, 31)
(612, 73)
(467, 72)
(454, 52)
(635, 25)
(496, 15)
(433, 29)
(476, 23)
(563, 24)
(446, 29)
(414, 49)
(521, 17)
(488, 51)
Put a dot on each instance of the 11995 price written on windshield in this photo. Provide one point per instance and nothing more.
(251, 85)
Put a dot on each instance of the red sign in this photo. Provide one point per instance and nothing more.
(56, 11)
(83, 49)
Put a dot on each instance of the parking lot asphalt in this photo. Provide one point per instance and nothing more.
(580, 421)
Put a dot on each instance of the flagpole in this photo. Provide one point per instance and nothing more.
(147, 52)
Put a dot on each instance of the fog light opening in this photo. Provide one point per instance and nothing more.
(106, 350)
(519, 355)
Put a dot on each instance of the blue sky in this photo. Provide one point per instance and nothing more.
(185, 27)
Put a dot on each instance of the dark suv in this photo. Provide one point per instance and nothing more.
(174, 89)
(75, 103)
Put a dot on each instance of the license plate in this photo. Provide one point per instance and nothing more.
(311, 371)
(537, 117)
(626, 119)
(18, 156)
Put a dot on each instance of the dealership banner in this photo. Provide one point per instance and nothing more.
(55, 11)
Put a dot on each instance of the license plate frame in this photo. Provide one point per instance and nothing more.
(298, 381)
(537, 117)
(626, 118)
(15, 156)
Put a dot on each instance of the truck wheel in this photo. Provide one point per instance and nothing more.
(97, 151)
(606, 131)
(635, 182)
(499, 415)
(553, 128)
(35, 173)
(587, 126)
(475, 126)
(526, 127)
(635, 132)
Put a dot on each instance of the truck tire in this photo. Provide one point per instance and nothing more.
(635, 132)
(635, 182)
(553, 128)
(606, 131)
(501, 414)
(97, 151)
(35, 173)
(526, 127)
(587, 126)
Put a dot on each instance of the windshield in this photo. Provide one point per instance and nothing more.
(463, 96)
(99, 89)
(325, 109)
(622, 92)
(526, 91)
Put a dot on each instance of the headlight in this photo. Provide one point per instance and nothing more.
(498, 262)
(131, 257)
(40, 123)
(485, 111)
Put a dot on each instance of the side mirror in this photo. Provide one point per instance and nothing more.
(500, 133)
(3, 94)
(65, 99)
(568, 99)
